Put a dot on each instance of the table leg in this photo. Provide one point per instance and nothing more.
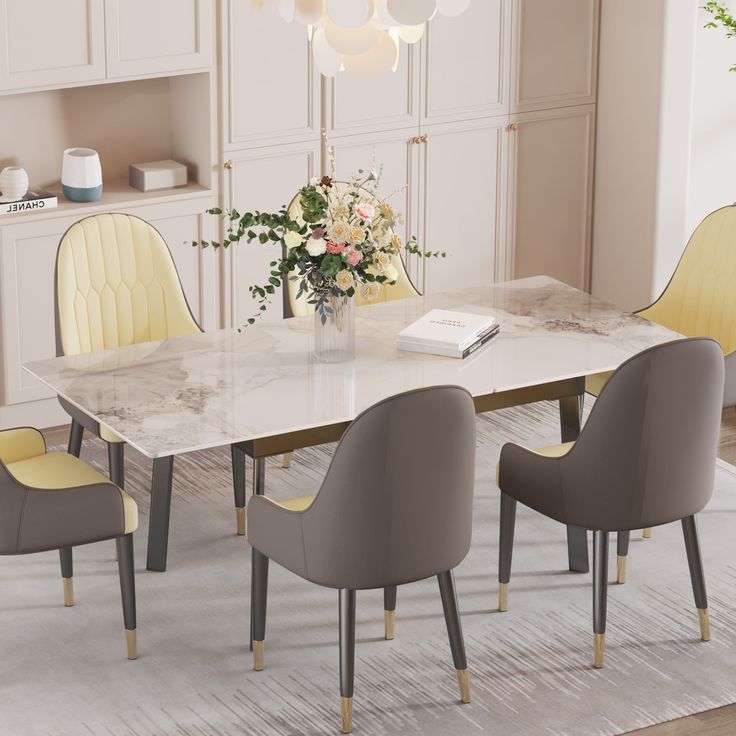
(238, 455)
(577, 539)
(259, 488)
(158, 528)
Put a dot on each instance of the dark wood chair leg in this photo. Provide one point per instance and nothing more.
(389, 611)
(259, 597)
(505, 549)
(622, 551)
(67, 571)
(600, 594)
(697, 577)
(238, 456)
(126, 569)
(76, 433)
(454, 632)
(347, 656)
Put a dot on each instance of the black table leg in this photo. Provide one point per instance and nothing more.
(158, 528)
(259, 488)
(577, 539)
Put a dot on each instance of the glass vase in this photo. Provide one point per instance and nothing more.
(334, 341)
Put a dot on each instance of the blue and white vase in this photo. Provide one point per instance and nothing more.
(81, 175)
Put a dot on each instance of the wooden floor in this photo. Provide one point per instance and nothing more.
(718, 722)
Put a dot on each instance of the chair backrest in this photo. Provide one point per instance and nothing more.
(396, 503)
(647, 453)
(116, 284)
(402, 289)
(700, 299)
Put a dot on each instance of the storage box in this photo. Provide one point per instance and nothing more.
(157, 175)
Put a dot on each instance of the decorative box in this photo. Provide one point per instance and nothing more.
(157, 175)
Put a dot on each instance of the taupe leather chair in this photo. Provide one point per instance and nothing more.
(645, 457)
(395, 507)
(53, 500)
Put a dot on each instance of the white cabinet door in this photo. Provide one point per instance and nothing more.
(366, 106)
(551, 170)
(555, 51)
(462, 203)
(270, 83)
(263, 179)
(396, 157)
(157, 36)
(465, 70)
(27, 260)
(45, 44)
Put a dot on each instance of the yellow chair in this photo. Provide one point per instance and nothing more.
(53, 500)
(700, 299)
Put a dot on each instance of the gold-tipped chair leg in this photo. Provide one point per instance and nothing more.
(240, 518)
(462, 681)
(347, 715)
(257, 655)
(621, 569)
(503, 597)
(388, 621)
(599, 641)
(286, 460)
(647, 533)
(132, 639)
(704, 624)
(68, 592)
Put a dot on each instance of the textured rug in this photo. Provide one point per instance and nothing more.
(64, 671)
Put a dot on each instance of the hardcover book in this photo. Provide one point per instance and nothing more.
(35, 199)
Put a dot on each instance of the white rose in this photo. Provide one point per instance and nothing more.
(391, 274)
(292, 239)
(314, 181)
(316, 247)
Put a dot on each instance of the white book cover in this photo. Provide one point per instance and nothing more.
(36, 199)
(444, 328)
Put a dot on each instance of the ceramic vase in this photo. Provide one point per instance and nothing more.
(81, 175)
(13, 183)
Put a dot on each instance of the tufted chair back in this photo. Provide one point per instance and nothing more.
(116, 284)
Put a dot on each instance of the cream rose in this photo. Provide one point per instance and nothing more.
(391, 274)
(339, 231)
(370, 291)
(292, 239)
(383, 261)
(396, 243)
(355, 236)
(344, 280)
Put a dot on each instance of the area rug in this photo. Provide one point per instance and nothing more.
(64, 671)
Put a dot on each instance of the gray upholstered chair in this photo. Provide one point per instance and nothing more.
(395, 507)
(645, 457)
(53, 500)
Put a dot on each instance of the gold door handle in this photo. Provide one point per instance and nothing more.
(228, 165)
(416, 139)
(423, 138)
(512, 126)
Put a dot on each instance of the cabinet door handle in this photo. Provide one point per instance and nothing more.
(416, 139)
(512, 126)
(424, 138)
(228, 165)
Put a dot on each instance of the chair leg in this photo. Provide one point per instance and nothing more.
(65, 555)
(347, 656)
(697, 578)
(259, 596)
(647, 533)
(600, 594)
(389, 611)
(238, 456)
(126, 569)
(76, 433)
(286, 460)
(454, 632)
(622, 551)
(506, 548)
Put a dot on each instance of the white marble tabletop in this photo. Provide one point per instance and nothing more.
(216, 388)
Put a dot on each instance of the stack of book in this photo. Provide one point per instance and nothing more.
(452, 334)
(35, 199)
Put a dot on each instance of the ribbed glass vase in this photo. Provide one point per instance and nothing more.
(334, 341)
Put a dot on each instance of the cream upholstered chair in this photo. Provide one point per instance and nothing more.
(116, 284)
(53, 500)
(700, 299)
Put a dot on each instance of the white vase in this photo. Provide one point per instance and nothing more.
(13, 183)
(81, 175)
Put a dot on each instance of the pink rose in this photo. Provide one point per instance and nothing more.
(318, 233)
(365, 211)
(335, 248)
(354, 257)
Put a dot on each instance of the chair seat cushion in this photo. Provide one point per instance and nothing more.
(296, 504)
(60, 470)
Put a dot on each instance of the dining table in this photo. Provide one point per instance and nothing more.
(261, 390)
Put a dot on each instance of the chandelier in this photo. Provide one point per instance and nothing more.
(362, 37)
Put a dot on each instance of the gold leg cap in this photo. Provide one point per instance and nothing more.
(704, 624)
(388, 621)
(68, 592)
(647, 533)
(240, 517)
(621, 565)
(257, 656)
(347, 715)
(286, 460)
(132, 639)
(503, 597)
(598, 647)
(462, 681)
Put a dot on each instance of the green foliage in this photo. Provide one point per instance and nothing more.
(722, 18)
